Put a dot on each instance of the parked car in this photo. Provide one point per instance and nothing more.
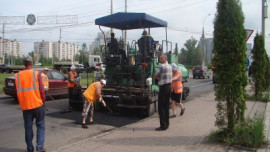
(80, 68)
(37, 64)
(200, 71)
(57, 84)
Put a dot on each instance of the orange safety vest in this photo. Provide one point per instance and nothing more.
(27, 86)
(45, 81)
(177, 86)
(90, 93)
(72, 76)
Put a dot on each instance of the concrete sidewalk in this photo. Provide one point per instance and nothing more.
(186, 133)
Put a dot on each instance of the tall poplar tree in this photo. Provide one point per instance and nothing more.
(230, 64)
(259, 71)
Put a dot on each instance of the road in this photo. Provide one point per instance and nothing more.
(64, 129)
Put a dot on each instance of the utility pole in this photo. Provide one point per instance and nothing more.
(125, 43)
(203, 42)
(264, 16)
(60, 36)
(3, 43)
(111, 13)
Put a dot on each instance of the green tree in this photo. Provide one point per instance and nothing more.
(267, 74)
(96, 51)
(190, 54)
(230, 64)
(32, 54)
(18, 61)
(259, 67)
(77, 57)
(82, 56)
(84, 48)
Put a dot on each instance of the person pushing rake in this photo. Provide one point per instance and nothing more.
(90, 96)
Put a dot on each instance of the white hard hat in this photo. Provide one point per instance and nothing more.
(174, 66)
(103, 81)
(72, 67)
(46, 69)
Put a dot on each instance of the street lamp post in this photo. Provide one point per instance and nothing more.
(203, 40)
(264, 16)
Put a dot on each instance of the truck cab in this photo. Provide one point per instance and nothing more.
(95, 62)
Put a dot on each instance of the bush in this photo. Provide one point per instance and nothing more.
(265, 97)
(248, 134)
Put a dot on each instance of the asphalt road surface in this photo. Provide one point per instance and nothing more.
(65, 129)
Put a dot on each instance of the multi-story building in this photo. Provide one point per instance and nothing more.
(99, 41)
(43, 48)
(249, 48)
(62, 51)
(11, 48)
(209, 44)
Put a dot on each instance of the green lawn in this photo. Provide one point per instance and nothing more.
(2, 80)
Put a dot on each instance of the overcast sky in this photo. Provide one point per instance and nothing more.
(185, 19)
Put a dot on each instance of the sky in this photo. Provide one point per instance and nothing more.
(186, 19)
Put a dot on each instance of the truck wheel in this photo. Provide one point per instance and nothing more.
(8, 71)
(65, 71)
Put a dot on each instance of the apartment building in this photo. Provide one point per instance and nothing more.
(11, 48)
(43, 48)
(62, 51)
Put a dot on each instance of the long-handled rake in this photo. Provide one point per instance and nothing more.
(63, 110)
(107, 106)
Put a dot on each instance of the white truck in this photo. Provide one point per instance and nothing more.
(95, 62)
(63, 66)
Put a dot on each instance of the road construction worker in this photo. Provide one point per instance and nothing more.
(146, 46)
(113, 44)
(98, 74)
(176, 90)
(72, 75)
(45, 79)
(31, 97)
(90, 96)
(164, 77)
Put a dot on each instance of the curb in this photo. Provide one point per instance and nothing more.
(5, 97)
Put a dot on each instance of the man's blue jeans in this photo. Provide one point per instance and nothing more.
(29, 116)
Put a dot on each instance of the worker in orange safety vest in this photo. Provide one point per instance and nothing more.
(90, 96)
(176, 90)
(72, 75)
(31, 97)
(45, 79)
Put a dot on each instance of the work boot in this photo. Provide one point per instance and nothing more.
(173, 116)
(41, 150)
(182, 112)
(92, 122)
(84, 126)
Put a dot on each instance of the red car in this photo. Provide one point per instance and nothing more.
(57, 84)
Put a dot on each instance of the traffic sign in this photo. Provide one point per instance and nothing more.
(249, 33)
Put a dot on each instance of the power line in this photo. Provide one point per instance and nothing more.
(72, 7)
(49, 28)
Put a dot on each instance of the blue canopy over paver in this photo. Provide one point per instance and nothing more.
(128, 21)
